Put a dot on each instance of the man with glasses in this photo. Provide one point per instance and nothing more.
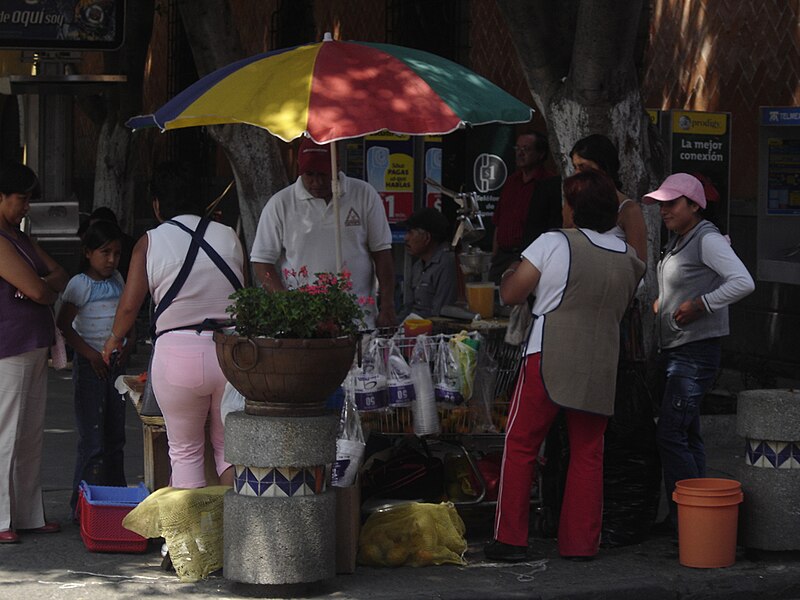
(529, 205)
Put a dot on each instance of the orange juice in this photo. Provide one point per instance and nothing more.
(480, 299)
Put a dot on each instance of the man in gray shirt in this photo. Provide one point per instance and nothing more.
(433, 276)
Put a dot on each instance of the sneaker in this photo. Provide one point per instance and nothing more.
(495, 550)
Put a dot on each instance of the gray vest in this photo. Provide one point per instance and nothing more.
(580, 337)
(683, 276)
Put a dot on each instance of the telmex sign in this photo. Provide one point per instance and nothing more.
(62, 24)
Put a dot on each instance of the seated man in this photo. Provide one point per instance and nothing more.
(433, 276)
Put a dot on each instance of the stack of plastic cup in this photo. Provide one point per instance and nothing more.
(426, 416)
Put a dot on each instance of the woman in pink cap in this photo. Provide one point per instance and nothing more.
(699, 275)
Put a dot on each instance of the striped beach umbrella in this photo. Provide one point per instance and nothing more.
(334, 90)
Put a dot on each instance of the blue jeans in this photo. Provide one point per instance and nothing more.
(690, 371)
(100, 419)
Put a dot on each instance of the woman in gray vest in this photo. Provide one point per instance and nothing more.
(699, 275)
(583, 280)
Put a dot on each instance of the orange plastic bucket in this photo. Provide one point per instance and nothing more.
(708, 516)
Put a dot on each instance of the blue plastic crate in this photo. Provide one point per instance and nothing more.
(102, 495)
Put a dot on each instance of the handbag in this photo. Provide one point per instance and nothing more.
(404, 472)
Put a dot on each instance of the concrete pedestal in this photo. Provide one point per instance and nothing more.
(280, 525)
(770, 476)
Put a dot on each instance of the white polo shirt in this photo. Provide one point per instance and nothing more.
(296, 230)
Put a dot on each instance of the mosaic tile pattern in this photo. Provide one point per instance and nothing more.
(772, 455)
(279, 482)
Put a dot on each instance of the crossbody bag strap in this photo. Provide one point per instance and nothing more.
(214, 256)
(183, 274)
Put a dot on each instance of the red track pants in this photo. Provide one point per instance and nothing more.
(531, 415)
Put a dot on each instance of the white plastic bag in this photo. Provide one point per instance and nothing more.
(447, 376)
(232, 401)
(398, 376)
(370, 379)
(350, 443)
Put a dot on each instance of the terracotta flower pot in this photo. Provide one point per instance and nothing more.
(284, 377)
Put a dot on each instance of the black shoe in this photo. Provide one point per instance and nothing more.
(495, 550)
(578, 558)
(664, 528)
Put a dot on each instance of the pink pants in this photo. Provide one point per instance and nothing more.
(531, 415)
(188, 384)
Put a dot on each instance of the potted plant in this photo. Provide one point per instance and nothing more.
(291, 349)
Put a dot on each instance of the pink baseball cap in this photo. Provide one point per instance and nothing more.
(313, 158)
(675, 186)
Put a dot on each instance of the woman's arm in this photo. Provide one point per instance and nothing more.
(736, 280)
(631, 220)
(518, 282)
(133, 295)
(18, 272)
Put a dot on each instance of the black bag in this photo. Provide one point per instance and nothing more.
(149, 407)
(404, 472)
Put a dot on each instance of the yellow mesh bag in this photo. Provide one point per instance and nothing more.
(415, 534)
(190, 521)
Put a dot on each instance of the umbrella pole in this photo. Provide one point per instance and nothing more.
(336, 190)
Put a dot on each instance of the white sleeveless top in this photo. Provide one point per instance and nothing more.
(616, 230)
(205, 293)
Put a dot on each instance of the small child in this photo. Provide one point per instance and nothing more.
(85, 318)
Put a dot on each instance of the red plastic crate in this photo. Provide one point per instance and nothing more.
(101, 510)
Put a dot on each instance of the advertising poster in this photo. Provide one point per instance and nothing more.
(62, 24)
(433, 170)
(389, 165)
(783, 159)
(701, 146)
(783, 177)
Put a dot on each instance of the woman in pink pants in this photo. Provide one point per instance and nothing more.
(190, 282)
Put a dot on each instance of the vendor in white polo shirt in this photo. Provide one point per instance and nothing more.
(297, 228)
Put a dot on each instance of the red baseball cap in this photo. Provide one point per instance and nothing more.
(313, 158)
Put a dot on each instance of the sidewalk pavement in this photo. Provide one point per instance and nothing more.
(59, 566)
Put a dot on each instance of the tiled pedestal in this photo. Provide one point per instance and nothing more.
(769, 420)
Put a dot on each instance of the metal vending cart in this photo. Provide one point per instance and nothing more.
(472, 433)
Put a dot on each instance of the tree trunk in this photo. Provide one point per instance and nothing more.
(113, 181)
(253, 153)
(578, 59)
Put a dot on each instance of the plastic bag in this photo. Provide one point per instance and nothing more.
(398, 377)
(483, 398)
(464, 349)
(232, 401)
(349, 442)
(58, 351)
(190, 521)
(447, 377)
(413, 534)
(370, 378)
(426, 417)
